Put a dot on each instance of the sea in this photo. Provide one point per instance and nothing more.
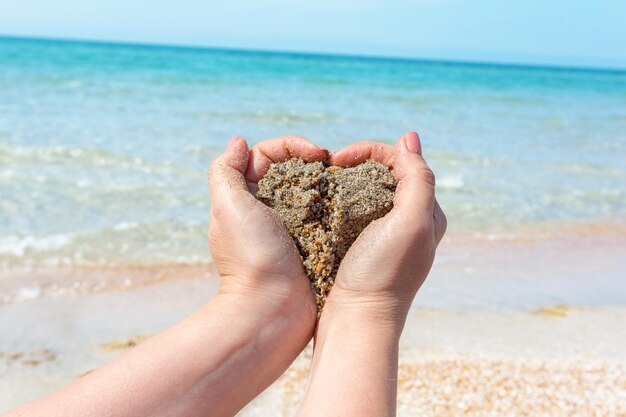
(104, 147)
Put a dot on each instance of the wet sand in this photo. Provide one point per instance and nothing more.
(503, 326)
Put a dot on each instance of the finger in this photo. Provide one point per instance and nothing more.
(415, 192)
(360, 152)
(226, 174)
(264, 153)
(441, 223)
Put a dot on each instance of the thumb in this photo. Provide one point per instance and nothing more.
(415, 192)
(226, 174)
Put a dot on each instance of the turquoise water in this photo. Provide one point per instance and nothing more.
(104, 148)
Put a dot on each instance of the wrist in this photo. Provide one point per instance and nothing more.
(358, 353)
(284, 296)
(381, 312)
(266, 320)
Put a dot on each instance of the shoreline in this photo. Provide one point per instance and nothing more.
(25, 284)
(469, 273)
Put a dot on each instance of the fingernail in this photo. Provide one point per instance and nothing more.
(412, 142)
(232, 141)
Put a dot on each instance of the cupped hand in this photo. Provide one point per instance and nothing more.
(389, 261)
(251, 249)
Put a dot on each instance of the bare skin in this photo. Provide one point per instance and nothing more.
(217, 360)
(355, 360)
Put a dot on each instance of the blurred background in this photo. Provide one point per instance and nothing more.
(110, 113)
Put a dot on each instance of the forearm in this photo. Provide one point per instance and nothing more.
(212, 364)
(355, 368)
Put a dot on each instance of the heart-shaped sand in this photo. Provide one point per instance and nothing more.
(325, 209)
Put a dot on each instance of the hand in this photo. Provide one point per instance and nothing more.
(390, 260)
(356, 343)
(255, 256)
(225, 354)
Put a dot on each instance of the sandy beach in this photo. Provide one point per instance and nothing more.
(483, 339)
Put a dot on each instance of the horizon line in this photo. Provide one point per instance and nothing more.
(335, 55)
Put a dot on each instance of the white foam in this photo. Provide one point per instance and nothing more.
(451, 181)
(18, 246)
(75, 84)
(83, 182)
(7, 174)
(125, 226)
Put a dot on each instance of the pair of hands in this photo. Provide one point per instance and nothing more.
(221, 357)
(381, 273)
(355, 358)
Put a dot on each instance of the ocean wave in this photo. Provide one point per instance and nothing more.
(57, 154)
(75, 84)
(125, 226)
(123, 243)
(288, 116)
(203, 152)
(593, 169)
(20, 245)
(7, 174)
(88, 157)
(451, 181)
(451, 159)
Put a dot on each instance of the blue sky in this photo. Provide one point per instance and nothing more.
(556, 32)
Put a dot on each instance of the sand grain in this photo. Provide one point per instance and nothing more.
(325, 209)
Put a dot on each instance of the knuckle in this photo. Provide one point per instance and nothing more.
(422, 173)
(427, 175)
(296, 138)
